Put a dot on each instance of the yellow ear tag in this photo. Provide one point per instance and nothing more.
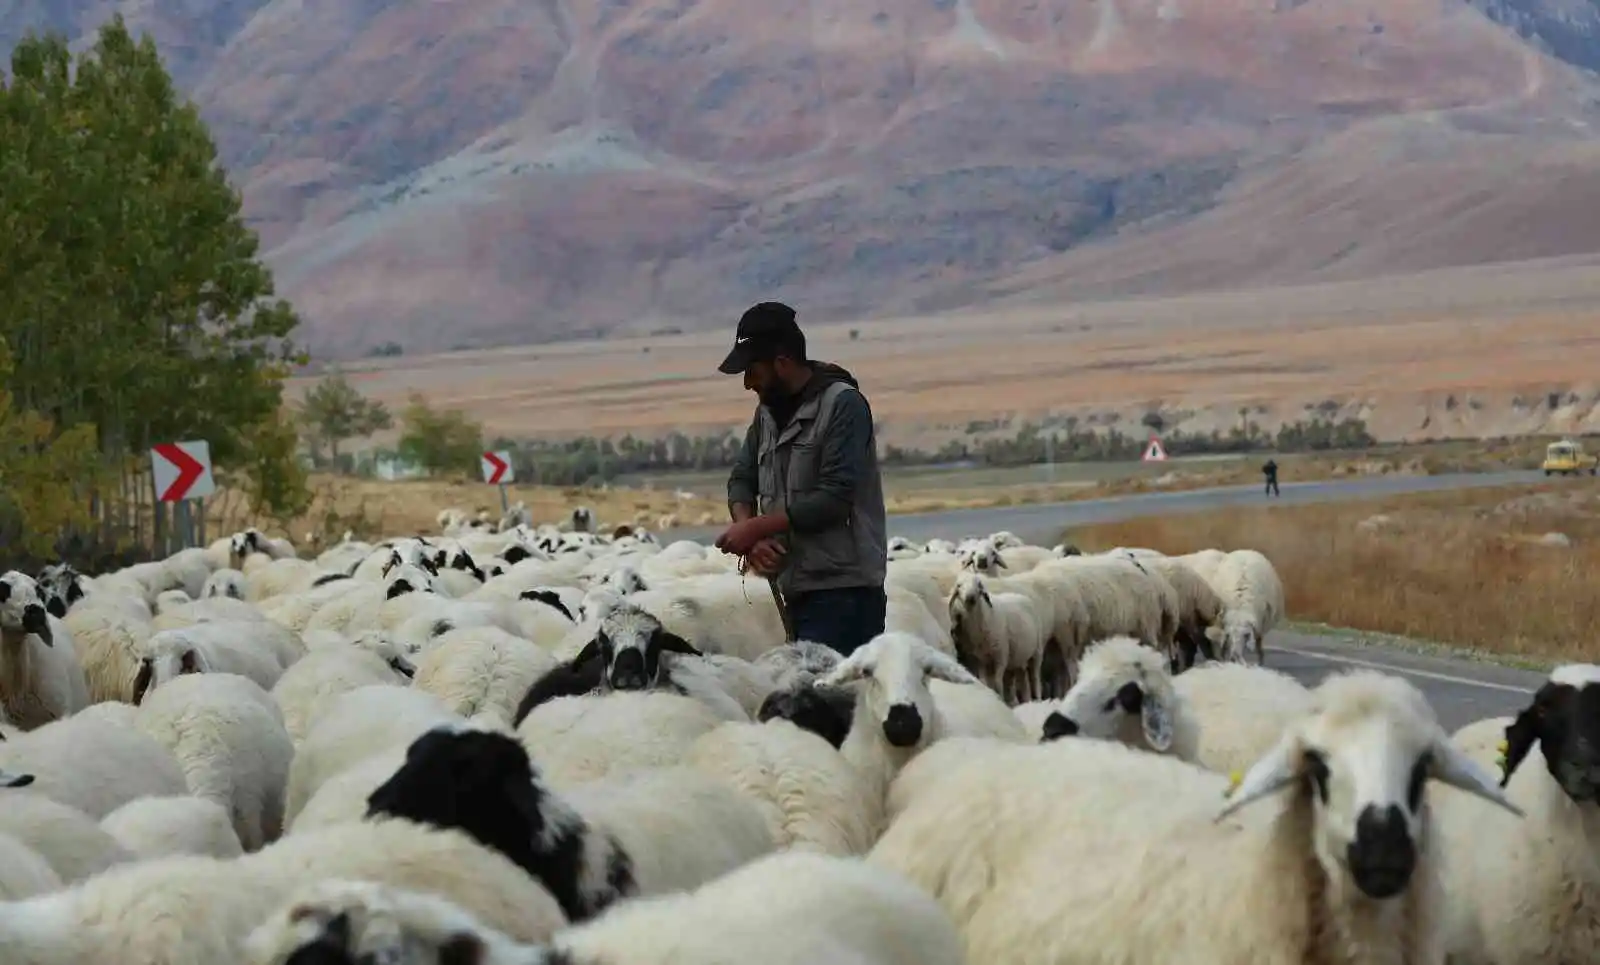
(1503, 747)
(1235, 778)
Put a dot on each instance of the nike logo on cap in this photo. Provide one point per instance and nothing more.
(741, 341)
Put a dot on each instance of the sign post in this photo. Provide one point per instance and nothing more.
(181, 472)
(498, 471)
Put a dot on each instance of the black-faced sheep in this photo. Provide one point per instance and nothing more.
(484, 784)
(626, 653)
(40, 677)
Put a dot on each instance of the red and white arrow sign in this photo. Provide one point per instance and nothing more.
(497, 469)
(182, 471)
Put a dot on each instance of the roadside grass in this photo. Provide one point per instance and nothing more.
(1513, 572)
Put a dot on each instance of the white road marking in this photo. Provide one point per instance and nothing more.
(1407, 671)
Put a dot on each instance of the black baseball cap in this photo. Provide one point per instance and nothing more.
(765, 331)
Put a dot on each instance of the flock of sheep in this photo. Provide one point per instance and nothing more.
(542, 744)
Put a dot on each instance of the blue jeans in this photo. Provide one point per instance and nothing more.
(844, 619)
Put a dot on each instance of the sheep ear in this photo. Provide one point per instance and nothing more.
(672, 643)
(57, 608)
(1276, 770)
(1521, 735)
(590, 651)
(143, 680)
(1156, 721)
(1452, 766)
(939, 666)
(857, 666)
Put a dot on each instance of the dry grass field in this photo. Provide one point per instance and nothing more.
(1473, 569)
(1394, 352)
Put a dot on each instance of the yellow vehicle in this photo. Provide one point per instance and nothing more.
(1568, 458)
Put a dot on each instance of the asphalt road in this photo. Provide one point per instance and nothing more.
(1461, 691)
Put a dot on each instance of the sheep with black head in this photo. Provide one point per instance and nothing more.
(640, 833)
(630, 650)
(40, 677)
(1526, 891)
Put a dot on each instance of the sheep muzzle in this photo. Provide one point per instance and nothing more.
(36, 620)
(1057, 726)
(903, 725)
(1383, 855)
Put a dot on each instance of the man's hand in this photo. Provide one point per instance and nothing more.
(766, 558)
(742, 537)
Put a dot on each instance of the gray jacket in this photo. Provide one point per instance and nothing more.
(822, 468)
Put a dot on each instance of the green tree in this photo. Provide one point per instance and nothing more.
(334, 410)
(131, 290)
(441, 441)
(35, 461)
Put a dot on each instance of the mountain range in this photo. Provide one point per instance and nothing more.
(436, 174)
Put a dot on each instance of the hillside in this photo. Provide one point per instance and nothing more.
(588, 167)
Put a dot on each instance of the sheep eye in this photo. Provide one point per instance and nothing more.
(1317, 769)
(1419, 778)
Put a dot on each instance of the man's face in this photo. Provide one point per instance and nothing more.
(762, 379)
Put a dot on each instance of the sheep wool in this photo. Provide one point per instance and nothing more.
(811, 799)
(229, 738)
(161, 827)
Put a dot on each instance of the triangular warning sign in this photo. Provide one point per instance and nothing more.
(1154, 452)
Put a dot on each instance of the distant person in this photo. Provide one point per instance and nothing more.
(805, 494)
(1270, 470)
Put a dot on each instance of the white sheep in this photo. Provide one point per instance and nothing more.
(228, 737)
(40, 677)
(108, 637)
(1342, 856)
(1252, 604)
(75, 847)
(91, 764)
(356, 725)
(896, 712)
(811, 798)
(24, 872)
(998, 636)
(252, 541)
(790, 908)
(198, 911)
(316, 679)
(1124, 692)
(1241, 710)
(481, 669)
(240, 647)
(160, 827)
(1523, 892)
(226, 582)
(577, 739)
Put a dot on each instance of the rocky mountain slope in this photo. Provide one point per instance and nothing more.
(441, 173)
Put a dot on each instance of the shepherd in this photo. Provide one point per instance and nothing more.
(805, 494)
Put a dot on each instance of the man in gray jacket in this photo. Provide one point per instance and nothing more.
(805, 494)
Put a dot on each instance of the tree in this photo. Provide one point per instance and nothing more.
(440, 441)
(131, 291)
(36, 503)
(334, 411)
